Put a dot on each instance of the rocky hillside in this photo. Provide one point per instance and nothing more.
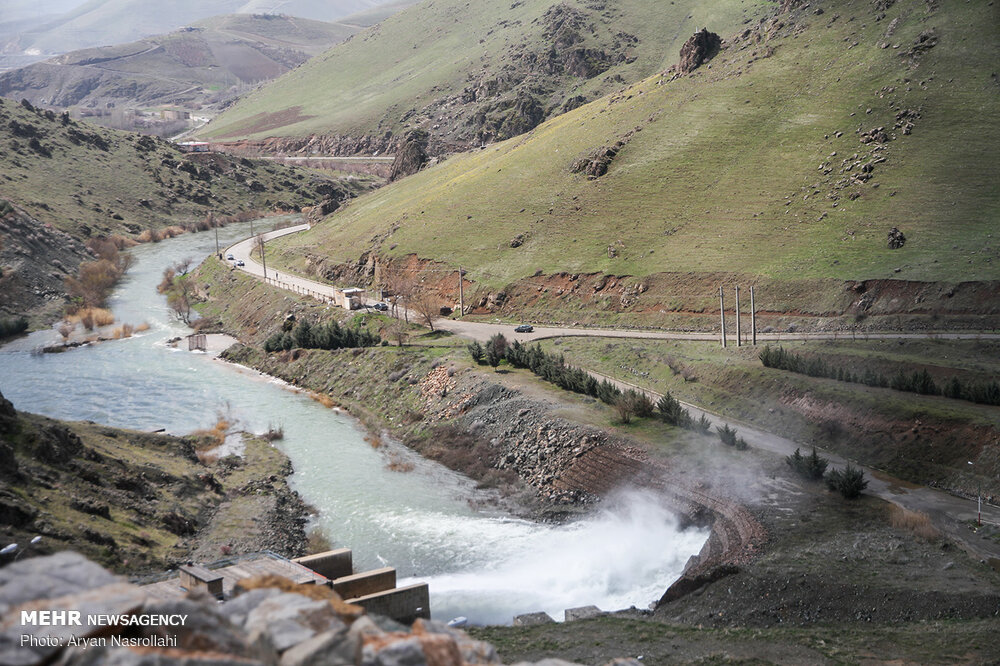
(206, 64)
(140, 502)
(786, 160)
(35, 260)
(469, 77)
(59, 176)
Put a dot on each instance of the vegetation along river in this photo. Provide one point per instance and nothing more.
(486, 567)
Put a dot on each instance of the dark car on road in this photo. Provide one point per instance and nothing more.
(524, 328)
(381, 307)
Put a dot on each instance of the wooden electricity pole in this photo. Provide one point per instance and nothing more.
(461, 293)
(262, 259)
(722, 314)
(753, 318)
(739, 343)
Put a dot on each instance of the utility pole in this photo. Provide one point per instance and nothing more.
(217, 250)
(739, 342)
(461, 293)
(722, 314)
(753, 318)
(262, 259)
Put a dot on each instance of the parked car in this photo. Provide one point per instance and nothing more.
(240, 263)
(381, 307)
(524, 328)
(230, 257)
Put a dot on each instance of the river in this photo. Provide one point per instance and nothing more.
(483, 566)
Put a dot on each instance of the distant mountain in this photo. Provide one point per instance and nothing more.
(109, 22)
(205, 64)
(471, 76)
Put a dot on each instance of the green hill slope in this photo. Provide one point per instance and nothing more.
(201, 65)
(472, 76)
(767, 165)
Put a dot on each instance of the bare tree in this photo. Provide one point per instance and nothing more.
(402, 287)
(398, 332)
(427, 305)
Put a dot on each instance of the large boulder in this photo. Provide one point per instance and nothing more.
(702, 46)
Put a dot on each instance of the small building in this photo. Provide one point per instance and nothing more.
(174, 114)
(349, 298)
(194, 146)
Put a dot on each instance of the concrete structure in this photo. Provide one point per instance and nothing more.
(582, 613)
(375, 590)
(194, 577)
(404, 604)
(331, 564)
(365, 583)
(349, 298)
(532, 619)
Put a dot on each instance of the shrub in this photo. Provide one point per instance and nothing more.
(811, 467)
(703, 425)
(642, 404)
(849, 481)
(274, 432)
(10, 327)
(496, 349)
(476, 352)
(623, 406)
(727, 434)
(916, 522)
(330, 335)
(671, 411)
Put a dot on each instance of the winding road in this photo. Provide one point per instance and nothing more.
(952, 515)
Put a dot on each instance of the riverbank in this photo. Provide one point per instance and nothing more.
(141, 503)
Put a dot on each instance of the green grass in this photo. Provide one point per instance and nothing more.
(917, 438)
(701, 191)
(431, 52)
(599, 640)
(133, 184)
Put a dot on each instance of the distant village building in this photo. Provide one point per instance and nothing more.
(175, 114)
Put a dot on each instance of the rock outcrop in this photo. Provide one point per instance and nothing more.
(411, 156)
(270, 622)
(702, 46)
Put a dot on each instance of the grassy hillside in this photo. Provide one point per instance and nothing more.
(88, 180)
(470, 76)
(201, 65)
(760, 166)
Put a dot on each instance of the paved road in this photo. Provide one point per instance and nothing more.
(949, 513)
